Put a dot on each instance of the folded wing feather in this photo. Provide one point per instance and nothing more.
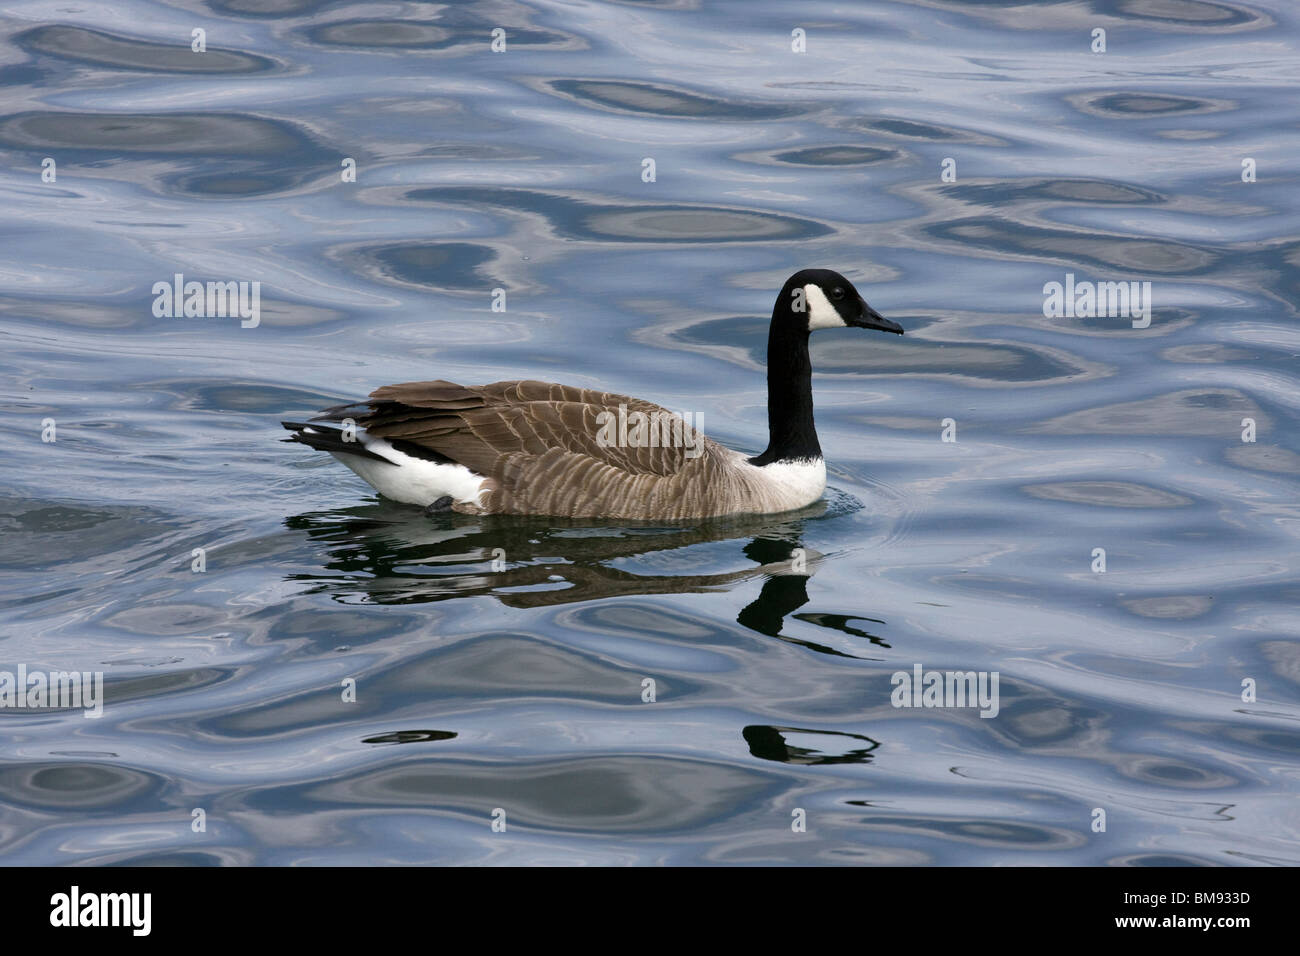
(540, 446)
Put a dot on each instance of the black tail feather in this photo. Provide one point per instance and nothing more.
(329, 439)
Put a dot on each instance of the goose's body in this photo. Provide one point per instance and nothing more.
(528, 447)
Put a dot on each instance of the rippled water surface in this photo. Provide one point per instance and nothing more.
(499, 663)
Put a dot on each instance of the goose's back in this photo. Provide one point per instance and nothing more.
(546, 448)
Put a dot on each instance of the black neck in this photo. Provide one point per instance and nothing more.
(791, 434)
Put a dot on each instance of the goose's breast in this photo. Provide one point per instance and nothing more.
(782, 485)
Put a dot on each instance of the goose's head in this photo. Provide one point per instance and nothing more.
(822, 299)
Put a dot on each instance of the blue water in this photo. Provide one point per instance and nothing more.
(499, 663)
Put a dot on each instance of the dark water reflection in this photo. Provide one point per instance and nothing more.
(372, 556)
(337, 680)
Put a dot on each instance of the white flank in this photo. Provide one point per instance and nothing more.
(411, 480)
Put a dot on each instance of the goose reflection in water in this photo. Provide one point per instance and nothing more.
(388, 554)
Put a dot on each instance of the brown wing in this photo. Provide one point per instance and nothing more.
(546, 448)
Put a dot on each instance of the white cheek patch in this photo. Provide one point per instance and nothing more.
(821, 314)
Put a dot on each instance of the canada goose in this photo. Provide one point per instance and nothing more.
(544, 449)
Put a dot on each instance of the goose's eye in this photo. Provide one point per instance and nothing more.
(837, 293)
